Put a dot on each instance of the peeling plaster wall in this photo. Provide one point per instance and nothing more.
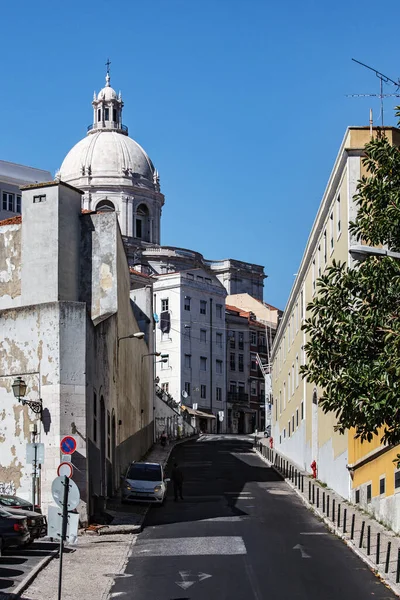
(10, 266)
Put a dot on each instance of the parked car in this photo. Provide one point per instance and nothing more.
(13, 530)
(144, 482)
(267, 432)
(37, 523)
(9, 501)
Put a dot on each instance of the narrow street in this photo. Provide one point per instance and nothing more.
(240, 534)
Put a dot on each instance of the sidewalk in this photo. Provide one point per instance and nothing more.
(90, 567)
(376, 545)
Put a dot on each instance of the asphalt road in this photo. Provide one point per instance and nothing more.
(16, 563)
(240, 534)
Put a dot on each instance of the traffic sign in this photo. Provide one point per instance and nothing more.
(57, 490)
(65, 468)
(68, 444)
(54, 525)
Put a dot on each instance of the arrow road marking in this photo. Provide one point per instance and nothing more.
(302, 551)
(186, 583)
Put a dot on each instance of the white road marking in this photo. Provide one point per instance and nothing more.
(313, 533)
(186, 583)
(235, 519)
(203, 576)
(302, 551)
(191, 546)
(117, 594)
(236, 493)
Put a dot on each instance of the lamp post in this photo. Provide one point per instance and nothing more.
(138, 336)
(19, 389)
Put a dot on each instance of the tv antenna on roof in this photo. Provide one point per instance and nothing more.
(382, 79)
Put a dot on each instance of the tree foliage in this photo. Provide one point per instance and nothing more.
(353, 324)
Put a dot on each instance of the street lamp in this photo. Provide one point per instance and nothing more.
(138, 336)
(19, 388)
(164, 357)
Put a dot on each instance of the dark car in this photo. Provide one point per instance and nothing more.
(37, 523)
(13, 530)
(8, 501)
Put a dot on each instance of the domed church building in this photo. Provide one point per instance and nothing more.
(115, 173)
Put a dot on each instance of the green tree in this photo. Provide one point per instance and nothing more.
(353, 350)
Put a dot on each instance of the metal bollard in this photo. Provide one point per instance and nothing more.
(313, 494)
(333, 510)
(353, 522)
(398, 566)
(338, 515)
(302, 484)
(388, 557)
(309, 491)
(317, 497)
(327, 505)
(362, 534)
(378, 548)
(323, 501)
(368, 540)
(344, 520)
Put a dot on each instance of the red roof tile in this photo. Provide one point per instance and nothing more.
(17, 220)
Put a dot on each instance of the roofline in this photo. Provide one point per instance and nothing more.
(33, 186)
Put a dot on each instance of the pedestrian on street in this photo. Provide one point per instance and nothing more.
(163, 439)
(177, 480)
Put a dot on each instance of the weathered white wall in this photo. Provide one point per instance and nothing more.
(10, 265)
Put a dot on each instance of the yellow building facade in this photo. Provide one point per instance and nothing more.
(301, 431)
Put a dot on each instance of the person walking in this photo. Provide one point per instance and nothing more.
(177, 480)
(163, 439)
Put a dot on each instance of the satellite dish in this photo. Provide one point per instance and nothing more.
(184, 394)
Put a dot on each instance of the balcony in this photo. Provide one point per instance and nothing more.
(238, 398)
(110, 125)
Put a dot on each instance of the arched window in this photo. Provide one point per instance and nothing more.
(142, 223)
(315, 397)
(105, 206)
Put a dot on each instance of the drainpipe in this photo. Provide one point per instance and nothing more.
(211, 358)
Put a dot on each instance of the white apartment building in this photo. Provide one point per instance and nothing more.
(12, 177)
(190, 308)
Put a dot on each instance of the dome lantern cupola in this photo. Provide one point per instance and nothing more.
(107, 109)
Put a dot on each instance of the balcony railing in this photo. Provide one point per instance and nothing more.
(110, 125)
(238, 398)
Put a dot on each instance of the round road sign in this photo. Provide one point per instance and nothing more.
(57, 490)
(65, 468)
(68, 444)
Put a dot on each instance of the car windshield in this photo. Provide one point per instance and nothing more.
(13, 501)
(142, 472)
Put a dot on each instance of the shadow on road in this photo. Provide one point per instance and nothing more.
(216, 474)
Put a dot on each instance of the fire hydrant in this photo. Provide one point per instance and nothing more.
(271, 442)
(314, 469)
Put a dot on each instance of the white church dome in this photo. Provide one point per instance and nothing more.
(107, 153)
(107, 93)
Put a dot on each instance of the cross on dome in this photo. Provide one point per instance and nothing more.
(108, 63)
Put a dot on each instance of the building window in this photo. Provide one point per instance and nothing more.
(293, 382)
(232, 340)
(253, 363)
(41, 198)
(232, 361)
(301, 305)
(108, 434)
(325, 248)
(241, 363)
(338, 222)
(190, 276)
(218, 367)
(284, 396)
(164, 304)
(369, 492)
(165, 365)
(331, 230)
(187, 303)
(165, 387)
(297, 417)
(297, 371)
(188, 361)
(94, 417)
(219, 340)
(187, 387)
(218, 394)
(203, 307)
(397, 479)
(280, 402)
(357, 496)
(253, 388)
(106, 114)
(139, 228)
(253, 338)
(186, 330)
(8, 201)
(288, 427)
(99, 114)
(240, 340)
(207, 280)
(313, 274)
(203, 363)
(293, 423)
(18, 205)
(218, 309)
(203, 335)
(284, 433)
(199, 277)
(203, 391)
(302, 409)
(319, 261)
(382, 485)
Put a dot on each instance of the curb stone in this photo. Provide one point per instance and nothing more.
(21, 587)
(373, 567)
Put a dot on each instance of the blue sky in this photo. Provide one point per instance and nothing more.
(241, 105)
